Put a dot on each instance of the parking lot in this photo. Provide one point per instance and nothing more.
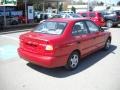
(99, 71)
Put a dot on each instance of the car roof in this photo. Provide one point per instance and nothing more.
(67, 19)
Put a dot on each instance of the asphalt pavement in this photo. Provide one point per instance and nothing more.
(99, 71)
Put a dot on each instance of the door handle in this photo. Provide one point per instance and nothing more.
(78, 42)
(94, 37)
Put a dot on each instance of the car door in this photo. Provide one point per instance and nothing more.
(82, 38)
(98, 36)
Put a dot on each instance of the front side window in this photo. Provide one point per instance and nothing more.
(92, 27)
(79, 28)
(49, 27)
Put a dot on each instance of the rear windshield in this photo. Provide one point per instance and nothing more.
(100, 15)
(49, 27)
(92, 14)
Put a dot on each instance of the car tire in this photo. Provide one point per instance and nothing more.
(35, 20)
(14, 22)
(107, 45)
(73, 61)
(19, 22)
(116, 25)
(1, 26)
(109, 23)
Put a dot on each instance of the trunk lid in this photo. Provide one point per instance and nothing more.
(36, 42)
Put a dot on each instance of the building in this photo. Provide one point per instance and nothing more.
(79, 8)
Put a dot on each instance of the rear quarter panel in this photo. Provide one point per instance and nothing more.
(65, 45)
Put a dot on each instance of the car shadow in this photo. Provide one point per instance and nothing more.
(87, 62)
(105, 28)
(116, 27)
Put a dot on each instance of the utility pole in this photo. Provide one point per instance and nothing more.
(4, 16)
(25, 1)
(57, 6)
(88, 5)
(43, 5)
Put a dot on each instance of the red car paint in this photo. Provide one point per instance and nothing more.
(95, 17)
(22, 19)
(33, 44)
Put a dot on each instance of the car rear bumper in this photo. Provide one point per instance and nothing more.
(44, 61)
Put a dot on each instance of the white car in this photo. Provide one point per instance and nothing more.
(71, 15)
(64, 12)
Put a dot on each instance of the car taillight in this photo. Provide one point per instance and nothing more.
(102, 19)
(49, 48)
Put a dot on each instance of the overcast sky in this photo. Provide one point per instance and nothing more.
(112, 1)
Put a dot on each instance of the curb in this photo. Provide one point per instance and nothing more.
(8, 32)
(19, 28)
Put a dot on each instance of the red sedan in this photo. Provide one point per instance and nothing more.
(62, 42)
(95, 17)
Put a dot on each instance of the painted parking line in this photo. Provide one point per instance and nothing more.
(10, 37)
(16, 31)
(8, 52)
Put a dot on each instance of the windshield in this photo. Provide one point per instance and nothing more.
(49, 27)
(108, 13)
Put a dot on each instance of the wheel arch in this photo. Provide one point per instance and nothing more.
(109, 38)
(78, 51)
(68, 66)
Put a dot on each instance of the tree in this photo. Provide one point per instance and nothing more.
(108, 7)
(118, 3)
(73, 9)
(101, 3)
(61, 7)
(113, 4)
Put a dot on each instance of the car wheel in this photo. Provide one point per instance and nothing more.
(116, 25)
(19, 21)
(14, 23)
(73, 61)
(109, 23)
(107, 44)
(35, 20)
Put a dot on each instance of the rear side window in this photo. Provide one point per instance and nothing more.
(100, 15)
(92, 14)
(84, 14)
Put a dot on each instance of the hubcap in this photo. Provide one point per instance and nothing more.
(109, 24)
(74, 60)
